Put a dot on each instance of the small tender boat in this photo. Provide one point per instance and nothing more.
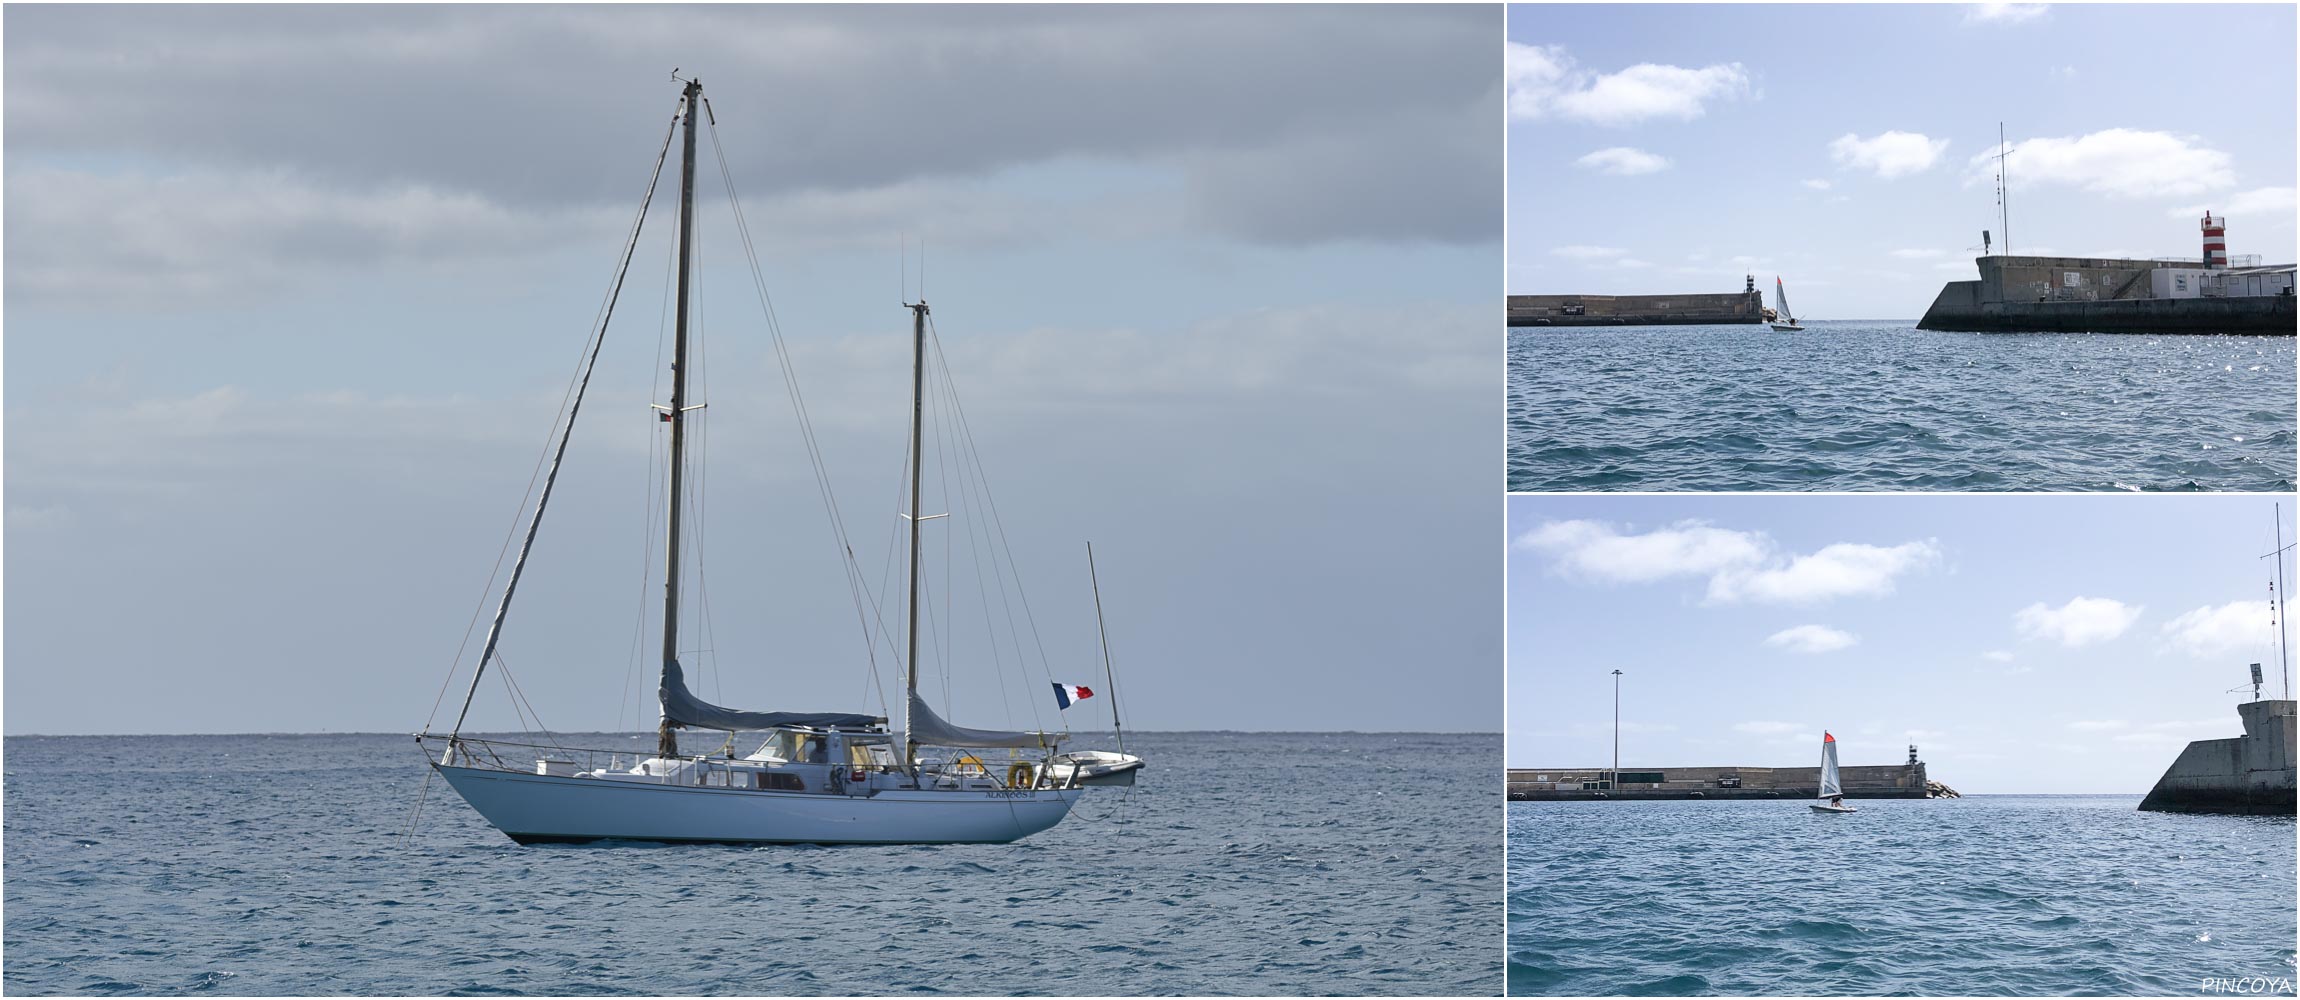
(1092, 767)
(1832, 792)
(1787, 321)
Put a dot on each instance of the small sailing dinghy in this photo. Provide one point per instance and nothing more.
(1832, 798)
(816, 777)
(1783, 320)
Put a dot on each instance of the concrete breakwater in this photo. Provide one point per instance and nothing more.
(2248, 775)
(1704, 309)
(1875, 781)
(2110, 295)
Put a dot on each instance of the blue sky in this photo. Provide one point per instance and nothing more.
(2043, 644)
(292, 294)
(1675, 149)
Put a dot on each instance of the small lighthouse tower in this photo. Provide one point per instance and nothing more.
(2215, 241)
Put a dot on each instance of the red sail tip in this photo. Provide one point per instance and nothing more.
(1826, 738)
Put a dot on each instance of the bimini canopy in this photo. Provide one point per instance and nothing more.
(681, 707)
(930, 729)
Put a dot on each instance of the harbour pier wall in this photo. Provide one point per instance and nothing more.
(2105, 295)
(2248, 775)
(1871, 781)
(1708, 308)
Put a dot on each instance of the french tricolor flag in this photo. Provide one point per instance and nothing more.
(1067, 695)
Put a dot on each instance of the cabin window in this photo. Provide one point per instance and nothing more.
(777, 781)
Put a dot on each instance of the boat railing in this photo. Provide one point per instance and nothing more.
(1016, 772)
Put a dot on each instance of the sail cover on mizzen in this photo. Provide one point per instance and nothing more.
(929, 728)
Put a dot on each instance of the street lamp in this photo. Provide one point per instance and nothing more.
(1616, 782)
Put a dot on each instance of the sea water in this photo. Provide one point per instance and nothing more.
(1986, 895)
(1885, 406)
(1241, 864)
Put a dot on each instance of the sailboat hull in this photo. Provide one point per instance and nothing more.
(1834, 809)
(543, 809)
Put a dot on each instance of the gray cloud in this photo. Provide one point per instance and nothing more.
(544, 108)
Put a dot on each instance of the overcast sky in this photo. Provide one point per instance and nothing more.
(2055, 644)
(291, 294)
(1847, 148)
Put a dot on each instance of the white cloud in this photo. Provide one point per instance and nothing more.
(2097, 725)
(1813, 639)
(1740, 565)
(2212, 632)
(1687, 548)
(2123, 162)
(1624, 161)
(2081, 622)
(1925, 734)
(2159, 739)
(1844, 569)
(1533, 75)
(1542, 81)
(2065, 73)
(1633, 262)
(1767, 728)
(2258, 201)
(1586, 252)
(1998, 656)
(1919, 254)
(1816, 184)
(1890, 154)
(2004, 13)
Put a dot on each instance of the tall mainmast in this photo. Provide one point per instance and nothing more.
(917, 466)
(667, 737)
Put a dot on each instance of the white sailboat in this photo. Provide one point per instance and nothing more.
(1832, 797)
(1785, 320)
(816, 777)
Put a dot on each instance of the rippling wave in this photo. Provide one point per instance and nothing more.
(1243, 864)
(1870, 406)
(1987, 895)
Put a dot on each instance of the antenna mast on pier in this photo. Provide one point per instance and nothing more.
(2004, 192)
(2276, 605)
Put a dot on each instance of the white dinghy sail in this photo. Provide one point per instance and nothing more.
(817, 777)
(1784, 319)
(1832, 793)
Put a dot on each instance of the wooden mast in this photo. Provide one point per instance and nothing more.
(667, 737)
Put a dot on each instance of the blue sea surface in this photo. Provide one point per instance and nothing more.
(1881, 405)
(1985, 895)
(266, 865)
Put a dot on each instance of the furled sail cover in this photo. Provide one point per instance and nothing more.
(680, 706)
(930, 729)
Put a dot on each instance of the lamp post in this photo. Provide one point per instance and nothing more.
(1616, 782)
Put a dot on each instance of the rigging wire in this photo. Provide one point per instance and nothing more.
(852, 570)
(966, 435)
(634, 700)
(571, 406)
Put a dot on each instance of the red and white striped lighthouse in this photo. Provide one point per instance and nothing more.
(2215, 241)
